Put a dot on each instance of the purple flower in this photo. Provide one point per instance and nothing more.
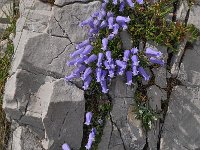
(135, 61)
(111, 36)
(91, 139)
(70, 77)
(96, 23)
(110, 14)
(92, 58)
(157, 61)
(87, 50)
(143, 73)
(112, 64)
(100, 58)
(76, 53)
(80, 60)
(122, 5)
(126, 55)
(140, 1)
(124, 26)
(88, 118)
(104, 86)
(121, 64)
(110, 22)
(86, 22)
(72, 62)
(87, 72)
(95, 14)
(115, 2)
(106, 64)
(115, 28)
(98, 74)
(104, 43)
(130, 3)
(134, 70)
(82, 44)
(93, 31)
(134, 50)
(108, 56)
(103, 6)
(151, 52)
(122, 19)
(103, 24)
(129, 77)
(111, 73)
(79, 69)
(65, 147)
(103, 75)
(102, 14)
(87, 82)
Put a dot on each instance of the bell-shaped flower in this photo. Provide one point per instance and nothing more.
(103, 24)
(108, 56)
(96, 23)
(70, 77)
(157, 61)
(86, 73)
(103, 75)
(79, 69)
(129, 76)
(134, 70)
(124, 26)
(87, 82)
(98, 74)
(110, 22)
(87, 50)
(122, 5)
(130, 3)
(115, 2)
(100, 58)
(92, 58)
(121, 64)
(126, 55)
(96, 14)
(104, 86)
(143, 73)
(115, 28)
(82, 44)
(103, 6)
(110, 14)
(76, 53)
(86, 22)
(112, 64)
(152, 52)
(134, 51)
(106, 64)
(88, 118)
(135, 61)
(91, 139)
(111, 73)
(93, 31)
(120, 71)
(65, 147)
(104, 44)
(111, 36)
(88, 146)
(140, 1)
(73, 61)
(102, 14)
(80, 60)
(122, 19)
(105, 1)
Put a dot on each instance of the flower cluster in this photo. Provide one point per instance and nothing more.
(108, 67)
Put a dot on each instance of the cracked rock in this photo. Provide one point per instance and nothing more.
(65, 21)
(126, 131)
(67, 2)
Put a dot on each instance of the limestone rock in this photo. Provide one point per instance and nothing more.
(126, 130)
(67, 2)
(65, 20)
(181, 128)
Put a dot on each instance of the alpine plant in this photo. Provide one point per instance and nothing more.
(107, 67)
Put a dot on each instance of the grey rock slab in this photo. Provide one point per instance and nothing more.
(123, 117)
(182, 10)
(160, 76)
(126, 40)
(43, 54)
(189, 73)
(193, 16)
(65, 21)
(182, 124)
(67, 2)
(64, 119)
(24, 139)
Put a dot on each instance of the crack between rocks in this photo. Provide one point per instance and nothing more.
(120, 134)
(59, 54)
(63, 122)
(74, 2)
(65, 35)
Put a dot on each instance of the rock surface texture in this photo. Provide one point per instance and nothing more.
(46, 111)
